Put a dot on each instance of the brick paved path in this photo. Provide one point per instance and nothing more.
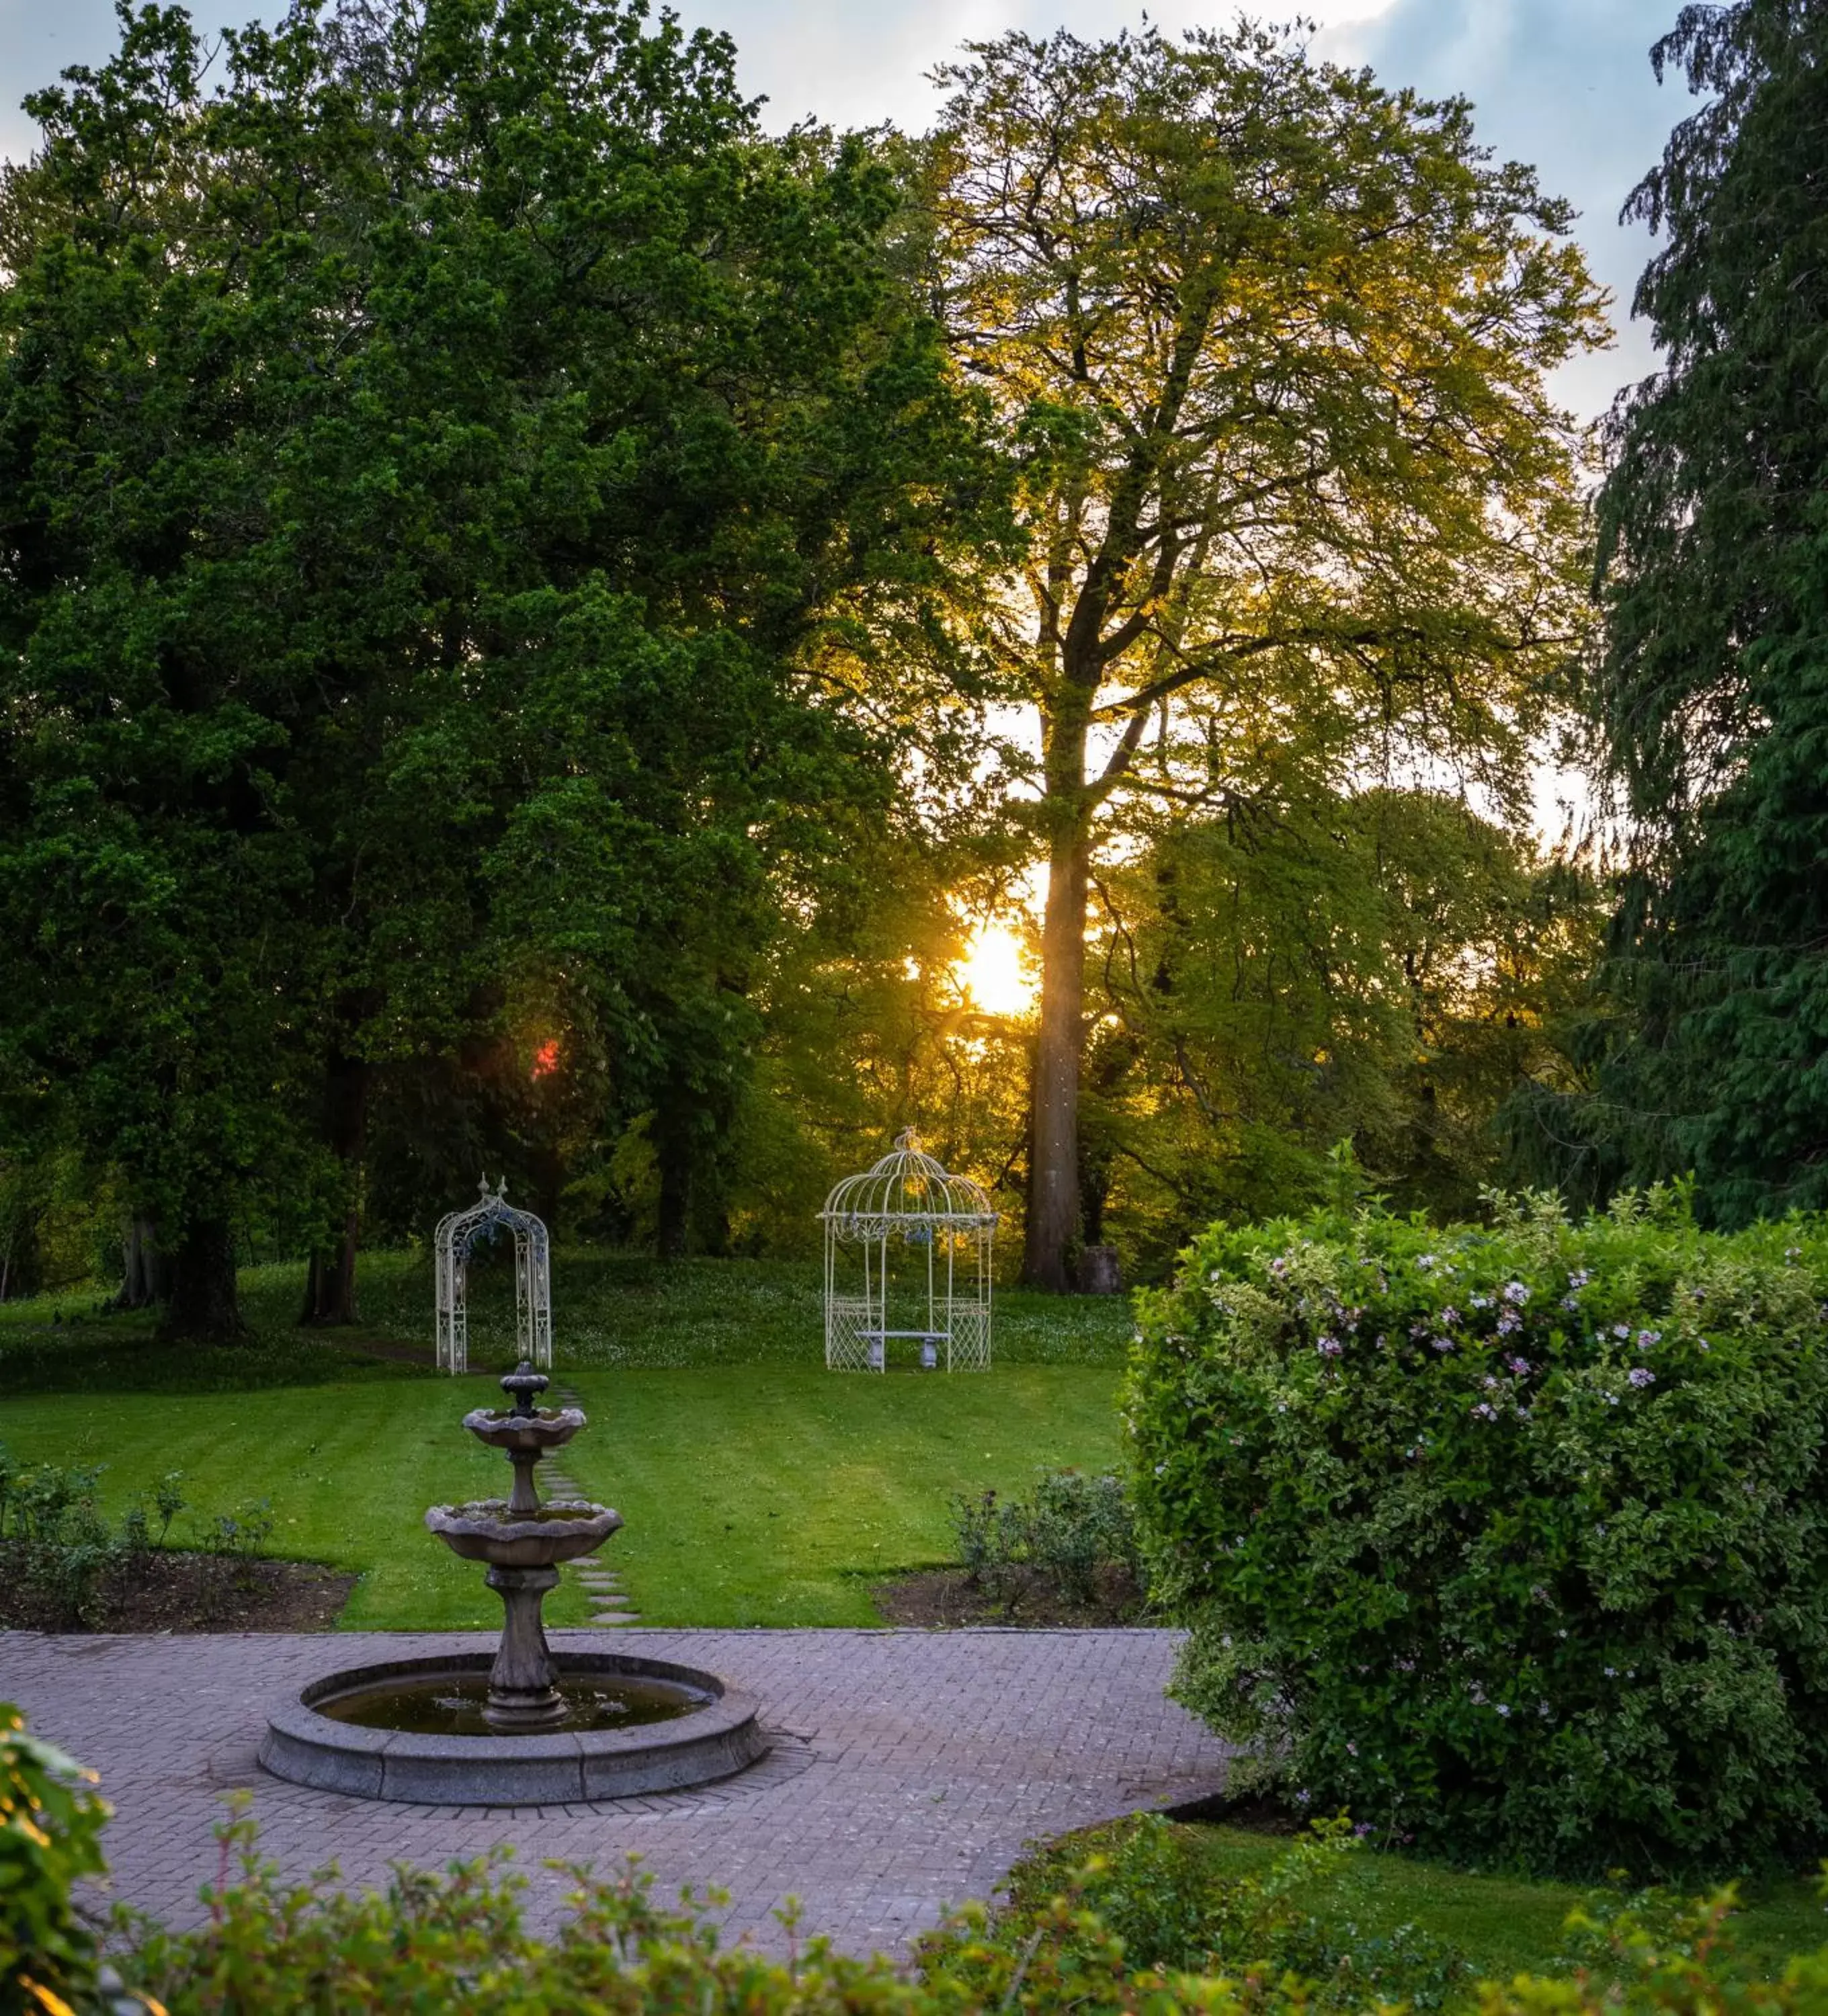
(909, 1766)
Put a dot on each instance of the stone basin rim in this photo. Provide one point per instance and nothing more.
(715, 1741)
(495, 1516)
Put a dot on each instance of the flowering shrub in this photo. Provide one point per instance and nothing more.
(1513, 1541)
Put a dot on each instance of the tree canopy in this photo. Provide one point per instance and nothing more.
(455, 476)
(535, 617)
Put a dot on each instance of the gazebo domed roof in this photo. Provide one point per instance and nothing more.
(906, 1189)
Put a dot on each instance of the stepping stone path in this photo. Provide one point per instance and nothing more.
(600, 1582)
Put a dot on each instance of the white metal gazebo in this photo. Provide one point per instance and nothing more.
(935, 1292)
(458, 1231)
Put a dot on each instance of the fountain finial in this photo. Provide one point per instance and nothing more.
(523, 1386)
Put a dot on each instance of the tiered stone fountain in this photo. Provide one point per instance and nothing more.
(527, 1727)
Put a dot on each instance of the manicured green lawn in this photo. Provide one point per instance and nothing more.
(752, 1494)
(774, 1495)
(758, 1488)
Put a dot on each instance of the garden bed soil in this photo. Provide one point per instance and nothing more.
(184, 1593)
(948, 1599)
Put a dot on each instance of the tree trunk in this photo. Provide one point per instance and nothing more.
(145, 1272)
(1053, 1158)
(673, 1151)
(329, 1281)
(203, 1309)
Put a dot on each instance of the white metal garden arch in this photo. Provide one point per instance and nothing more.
(458, 1231)
(935, 1293)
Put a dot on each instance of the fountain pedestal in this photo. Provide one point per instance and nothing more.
(521, 1693)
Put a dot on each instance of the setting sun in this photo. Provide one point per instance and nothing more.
(995, 974)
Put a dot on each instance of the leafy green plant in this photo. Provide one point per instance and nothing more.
(1148, 1884)
(1107, 1934)
(1646, 1956)
(66, 1567)
(63, 1551)
(50, 1835)
(1068, 1529)
(1508, 1538)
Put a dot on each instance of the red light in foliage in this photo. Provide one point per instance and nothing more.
(545, 1058)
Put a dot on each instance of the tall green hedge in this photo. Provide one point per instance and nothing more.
(1512, 1540)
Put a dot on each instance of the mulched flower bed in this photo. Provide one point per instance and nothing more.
(174, 1591)
(949, 1597)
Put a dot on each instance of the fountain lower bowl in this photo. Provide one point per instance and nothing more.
(706, 1742)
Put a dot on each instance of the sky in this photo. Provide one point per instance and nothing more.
(1565, 85)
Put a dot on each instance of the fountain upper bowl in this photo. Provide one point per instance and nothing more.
(489, 1530)
(548, 1429)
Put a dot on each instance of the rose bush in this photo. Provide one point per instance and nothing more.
(1513, 1540)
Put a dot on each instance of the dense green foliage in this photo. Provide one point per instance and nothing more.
(1070, 1532)
(1381, 966)
(1149, 1887)
(505, 568)
(455, 478)
(50, 1834)
(1268, 344)
(1712, 1055)
(1510, 1541)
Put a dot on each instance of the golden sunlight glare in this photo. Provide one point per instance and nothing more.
(995, 974)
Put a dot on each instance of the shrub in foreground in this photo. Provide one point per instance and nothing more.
(457, 1940)
(1513, 1541)
(1106, 1934)
(51, 1825)
(1146, 1885)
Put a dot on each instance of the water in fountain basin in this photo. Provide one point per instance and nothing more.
(452, 1705)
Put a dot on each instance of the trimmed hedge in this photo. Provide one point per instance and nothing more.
(1512, 1540)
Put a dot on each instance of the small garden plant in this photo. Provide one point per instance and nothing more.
(1511, 1540)
(1072, 1536)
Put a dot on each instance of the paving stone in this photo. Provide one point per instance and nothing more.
(909, 1766)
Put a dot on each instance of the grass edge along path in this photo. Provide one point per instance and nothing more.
(1502, 1924)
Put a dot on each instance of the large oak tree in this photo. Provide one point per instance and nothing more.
(1268, 343)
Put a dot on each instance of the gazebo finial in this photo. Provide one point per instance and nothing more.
(909, 1138)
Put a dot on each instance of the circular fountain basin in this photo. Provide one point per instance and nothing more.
(657, 1728)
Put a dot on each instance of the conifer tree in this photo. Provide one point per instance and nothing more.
(1712, 692)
